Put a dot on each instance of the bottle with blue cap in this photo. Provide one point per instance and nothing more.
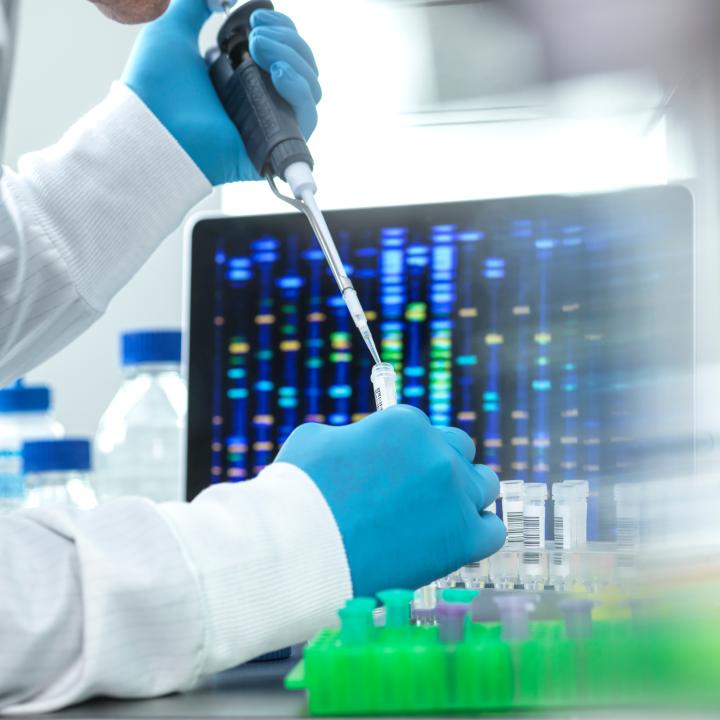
(57, 473)
(25, 414)
(138, 444)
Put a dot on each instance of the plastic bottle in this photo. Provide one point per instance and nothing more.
(24, 415)
(57, 472)
(139, 440)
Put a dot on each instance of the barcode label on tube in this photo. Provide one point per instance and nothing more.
(531, 531)
(514, 524)
(562, 529)
(378, 399)
(627, 532)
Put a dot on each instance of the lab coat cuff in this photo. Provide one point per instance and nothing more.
(117, 183)
(269, 562)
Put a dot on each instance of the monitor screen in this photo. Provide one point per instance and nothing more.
(551, 329)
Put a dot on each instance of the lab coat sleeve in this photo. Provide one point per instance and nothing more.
(134, 599)
(78, 219)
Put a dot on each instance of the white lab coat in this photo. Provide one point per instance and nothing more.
(134, 599)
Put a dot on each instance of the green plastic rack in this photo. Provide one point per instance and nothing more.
(402, 668)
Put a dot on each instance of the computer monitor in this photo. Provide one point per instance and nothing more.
(554, 330)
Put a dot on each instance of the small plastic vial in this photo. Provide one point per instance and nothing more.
(627, 513)
(57, 472)
(383, 380)
(512, 494)
(535, 496)
(565, 509)
(565, 530)
(533, 558)
(515, 610)
(581, 491)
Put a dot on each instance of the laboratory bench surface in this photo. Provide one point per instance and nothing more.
(256, 691)
(251, 691)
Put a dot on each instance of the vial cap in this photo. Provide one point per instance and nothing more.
(397, 606)
(356, 620)
(536, 491)
(578, 617)
(514, 614)
(20, 398)
(459, 595)
(150, 346)
(452, 617)
(581, 487)
(41, 456)
(511, 489)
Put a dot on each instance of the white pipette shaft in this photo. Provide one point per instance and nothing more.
(347, 290)
(299, 177)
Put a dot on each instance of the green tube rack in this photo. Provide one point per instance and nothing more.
(401, 668)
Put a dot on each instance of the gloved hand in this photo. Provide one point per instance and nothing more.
(405, 495)
(169, 75)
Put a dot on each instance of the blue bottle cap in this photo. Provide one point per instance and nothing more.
(150, 346)
(20, 398)
(61, 455)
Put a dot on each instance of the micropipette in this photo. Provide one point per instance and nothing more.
(273, 139)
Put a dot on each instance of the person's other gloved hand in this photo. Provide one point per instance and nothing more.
(405, 495)
(169, 75)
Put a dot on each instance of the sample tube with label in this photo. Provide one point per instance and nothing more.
(383, 379)
(570, 528)
(534, 567)
(580, 491)
(512, 494)
(627, 518)
(565, 509)
(504, 565)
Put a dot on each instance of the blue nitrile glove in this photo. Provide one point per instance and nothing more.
(405, 495)
(169, 75)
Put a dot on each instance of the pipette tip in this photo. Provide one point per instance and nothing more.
(368, 338)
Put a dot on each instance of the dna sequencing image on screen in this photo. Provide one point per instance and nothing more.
(540, 327)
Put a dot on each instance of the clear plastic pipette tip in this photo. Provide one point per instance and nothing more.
(368, 338)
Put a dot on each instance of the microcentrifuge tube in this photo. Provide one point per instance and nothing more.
(515, 609)
(627, 514)
(534, 565)
(511, 492)
(383, 380)
(452, 618)
(564, 511)
(578, 617)
(356, 621)
(424, 605)
(397, 607)
(562, 496)
(534, 497)
(581, 491)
